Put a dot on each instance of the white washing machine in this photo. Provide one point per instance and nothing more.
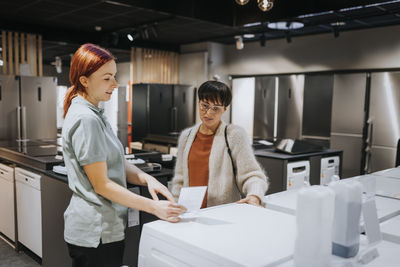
(29, 210)
(7, 202)
(329, 167)
(298, 174)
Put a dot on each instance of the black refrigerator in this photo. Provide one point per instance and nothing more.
(161, 109)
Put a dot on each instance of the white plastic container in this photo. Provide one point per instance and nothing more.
(346, 224)
(314, 218)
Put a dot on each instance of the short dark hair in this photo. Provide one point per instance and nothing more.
(216, 92)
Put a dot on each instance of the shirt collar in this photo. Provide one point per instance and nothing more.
(79, 99)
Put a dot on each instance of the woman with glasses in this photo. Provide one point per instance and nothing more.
(218, 155)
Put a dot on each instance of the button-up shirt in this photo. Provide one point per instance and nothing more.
(88, 138)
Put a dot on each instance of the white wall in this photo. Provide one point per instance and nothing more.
(193, 70)
(123, 70)
(362, 49)
(243, 91)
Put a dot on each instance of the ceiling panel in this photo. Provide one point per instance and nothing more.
(166, 24)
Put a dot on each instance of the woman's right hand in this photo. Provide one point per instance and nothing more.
(168, 211)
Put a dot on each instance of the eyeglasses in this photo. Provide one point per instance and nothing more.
(213, 109)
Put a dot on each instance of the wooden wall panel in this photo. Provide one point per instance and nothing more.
(16, 53)
(4, 51)
(154, 66)
(10, 53)
(20, 48)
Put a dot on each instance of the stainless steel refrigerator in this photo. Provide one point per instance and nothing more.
(348, 114)
(317, 108)
(278, 106)
(161, 109)
(384, 121)
(264, 107)
(28, 108)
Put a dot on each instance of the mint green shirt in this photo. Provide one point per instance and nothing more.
(88, 138)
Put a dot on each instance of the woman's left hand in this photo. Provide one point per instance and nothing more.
(155, 187)
(252, 200)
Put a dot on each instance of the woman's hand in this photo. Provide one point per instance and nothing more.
(168, 211)
(252, 200)
(155, 187)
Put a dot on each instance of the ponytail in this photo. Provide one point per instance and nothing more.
(71, 93)
(86, 60)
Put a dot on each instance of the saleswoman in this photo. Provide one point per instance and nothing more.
(204, 158)
(98, 173)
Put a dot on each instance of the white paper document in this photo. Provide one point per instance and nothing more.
(192, 197)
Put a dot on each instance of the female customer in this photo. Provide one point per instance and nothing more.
(218, 155)
(97, 170)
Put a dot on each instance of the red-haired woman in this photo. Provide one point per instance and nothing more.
(97, 170)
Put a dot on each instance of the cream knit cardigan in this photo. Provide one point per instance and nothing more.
(221, 186)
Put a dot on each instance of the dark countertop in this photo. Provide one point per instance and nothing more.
(163, 173)
(271, 153)
(44, 164)
(40, 163)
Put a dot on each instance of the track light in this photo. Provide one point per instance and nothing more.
(288, 37)
(242, 2)
(130, 37)
(265, 5)
(239, 42)
(263, 40)
(336, 32)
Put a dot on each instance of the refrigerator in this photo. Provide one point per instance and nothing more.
(317, 107)
(348, 114)
(264, 107)
(278, 107)
(161, 109)
(122, 114)
(383, 122)
(28, 108)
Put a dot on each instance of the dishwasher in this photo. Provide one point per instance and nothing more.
(329, 167)
(29, 210)
(7, 203)
(298, 174)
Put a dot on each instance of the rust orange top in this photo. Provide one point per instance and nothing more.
(198, 162)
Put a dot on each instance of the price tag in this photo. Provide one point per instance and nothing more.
(133, 215)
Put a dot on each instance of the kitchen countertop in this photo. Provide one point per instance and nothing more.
(44, 164)
(35, 162)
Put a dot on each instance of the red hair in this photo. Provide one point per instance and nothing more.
(86, 60)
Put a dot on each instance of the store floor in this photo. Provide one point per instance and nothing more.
(10, 258)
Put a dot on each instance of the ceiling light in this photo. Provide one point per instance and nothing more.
(57, 64)
(130, 37)
(239, 42)
(265, 5)
(284, 25)
(242, 2)
(252, 24)
(97, 28)
(248, 35)
(338, 23)
(116, 3)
